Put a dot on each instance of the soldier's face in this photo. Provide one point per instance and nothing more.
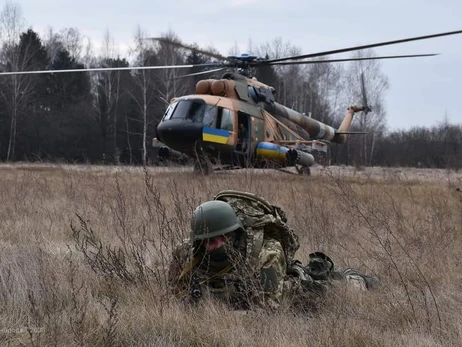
(214, 243)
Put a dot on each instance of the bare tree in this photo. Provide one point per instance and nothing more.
(155, 88)
(53, 43)
(107, 95)
(289, 75)
(325, 84)
(16, 88)
(167, 83)
(144, 83)
(375, 86)
(234, 50)
(72, 40)
(11, 23)
(310, 89)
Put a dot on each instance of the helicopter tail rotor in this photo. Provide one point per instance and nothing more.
(366, 106)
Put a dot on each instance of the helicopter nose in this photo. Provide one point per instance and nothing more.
(180, 135)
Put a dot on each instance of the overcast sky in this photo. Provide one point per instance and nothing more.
(421, 90)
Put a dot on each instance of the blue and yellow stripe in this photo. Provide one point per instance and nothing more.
(215, 135)
(268, 150)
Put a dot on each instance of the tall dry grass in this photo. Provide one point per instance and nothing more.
(84, 252)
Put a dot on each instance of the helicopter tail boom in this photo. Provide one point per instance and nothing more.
(315, 129)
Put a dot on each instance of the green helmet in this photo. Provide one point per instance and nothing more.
(213, 218)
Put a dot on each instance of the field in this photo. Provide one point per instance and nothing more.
(84, 251)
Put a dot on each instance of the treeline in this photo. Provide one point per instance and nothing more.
(111, 116)
(95, 117)
(439, 146)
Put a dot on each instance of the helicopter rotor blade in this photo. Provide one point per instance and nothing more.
(351, 132)
(199, 73)
(356, 48)
(189, 47)
(367, 109)
(155, 67)
(352, 59)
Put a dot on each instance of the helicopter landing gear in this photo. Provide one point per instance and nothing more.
(303, 170)
(203, 166)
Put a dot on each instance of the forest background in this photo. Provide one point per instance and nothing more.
(110, 117)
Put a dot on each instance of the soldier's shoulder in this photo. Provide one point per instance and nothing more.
(271, 251)
(272, 244)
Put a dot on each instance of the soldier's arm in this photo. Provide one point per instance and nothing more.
(272, 265)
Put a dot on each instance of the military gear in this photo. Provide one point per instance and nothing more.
(213, 218)
(258, 266)
(261, 221)
(195, 290)
(362, 281)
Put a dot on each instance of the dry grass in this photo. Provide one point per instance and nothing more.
(403, 226)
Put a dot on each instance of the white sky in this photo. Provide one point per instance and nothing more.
(421, 90)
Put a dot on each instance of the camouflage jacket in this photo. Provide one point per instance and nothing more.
(241, 285)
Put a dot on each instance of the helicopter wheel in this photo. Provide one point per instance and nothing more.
(203, 166)
(303, 170)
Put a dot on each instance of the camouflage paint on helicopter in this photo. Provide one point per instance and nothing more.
(207, 124)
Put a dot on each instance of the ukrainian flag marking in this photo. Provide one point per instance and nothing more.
(215, 135)
(270, 150)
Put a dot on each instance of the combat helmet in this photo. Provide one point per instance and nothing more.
(213, 218)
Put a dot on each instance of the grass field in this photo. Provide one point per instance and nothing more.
(401, 224)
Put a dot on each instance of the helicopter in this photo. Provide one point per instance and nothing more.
(236, 122)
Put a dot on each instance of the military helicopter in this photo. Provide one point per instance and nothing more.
(236, 122)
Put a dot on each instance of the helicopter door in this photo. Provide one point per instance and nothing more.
(243, 132)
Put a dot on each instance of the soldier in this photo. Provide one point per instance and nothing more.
(242, 137)
(249, 262)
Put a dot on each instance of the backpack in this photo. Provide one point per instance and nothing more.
(261, 220)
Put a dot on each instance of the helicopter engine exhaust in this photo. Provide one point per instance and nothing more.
(300, 158)
(280, 154)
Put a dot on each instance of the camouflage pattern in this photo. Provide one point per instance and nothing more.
(273, 266)
(271, 122)
(274, 284)
(261, 220)
(235, 88)
(241, 287)
(260, 269)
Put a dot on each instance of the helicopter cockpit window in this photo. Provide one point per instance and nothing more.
(168, 113)
(188, 109)
(227, 120)
(209, 114)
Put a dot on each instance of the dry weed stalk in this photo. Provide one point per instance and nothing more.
(128, 220)
(385, 226)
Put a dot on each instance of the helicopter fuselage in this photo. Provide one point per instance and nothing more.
(236, 121)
